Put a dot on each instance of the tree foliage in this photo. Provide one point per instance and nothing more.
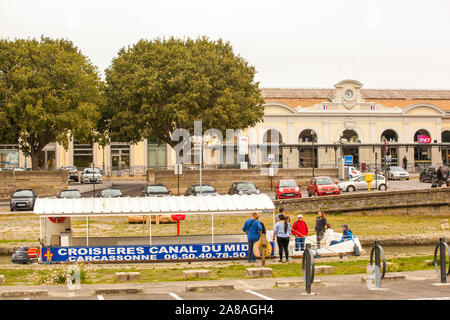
(155, 87)
(49, 92)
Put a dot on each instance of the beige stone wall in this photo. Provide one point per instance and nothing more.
(405, 202)
(44, 183)
(222, 179)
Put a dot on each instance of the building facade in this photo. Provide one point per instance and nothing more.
(314, 127)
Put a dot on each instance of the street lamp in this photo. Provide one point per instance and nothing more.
(313, 160)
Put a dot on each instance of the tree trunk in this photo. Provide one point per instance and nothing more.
(35, 158)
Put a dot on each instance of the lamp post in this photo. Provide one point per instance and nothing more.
(313, 159)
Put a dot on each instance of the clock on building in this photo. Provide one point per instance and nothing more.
(348, 94)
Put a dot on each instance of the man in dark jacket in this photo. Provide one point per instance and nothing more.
(405, 162)
(253, 229)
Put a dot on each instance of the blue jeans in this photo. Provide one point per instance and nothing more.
(299, 242)
(250, 255)
(334, 242)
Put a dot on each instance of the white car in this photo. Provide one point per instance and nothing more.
(353, 172)
(359, 183)
(397, 173)
(90, 175)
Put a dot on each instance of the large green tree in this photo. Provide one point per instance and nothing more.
(155, 87)
(49, 92)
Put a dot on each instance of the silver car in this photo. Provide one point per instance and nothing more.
(90, 175)
(359, 183)
(397, 173)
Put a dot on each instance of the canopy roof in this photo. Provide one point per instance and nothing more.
(126, 206)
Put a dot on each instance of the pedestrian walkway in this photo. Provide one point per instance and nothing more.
(408, 285)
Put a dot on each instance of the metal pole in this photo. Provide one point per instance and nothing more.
(377, 265)
(87, 231)
(308, 267)
(443, 262)
(212, 227)
(150, 228)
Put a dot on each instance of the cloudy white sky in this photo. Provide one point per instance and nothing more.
(383, 44)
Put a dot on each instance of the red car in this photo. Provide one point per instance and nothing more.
(322, 186)
(286, 189)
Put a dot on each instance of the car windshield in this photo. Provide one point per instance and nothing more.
(23, 193)
(397, 169)
(154, 189)
(322, 181)
(70, 194)
(111, 193)
(245, 186)
(288, 183)
(96, 171)
(204, 189)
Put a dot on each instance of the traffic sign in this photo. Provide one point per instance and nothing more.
(348, 160)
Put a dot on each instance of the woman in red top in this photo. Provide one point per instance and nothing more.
(300, 231)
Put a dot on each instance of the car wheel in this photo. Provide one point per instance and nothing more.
(351, 189)
(421, 179)
(382, 187)
(12, 208)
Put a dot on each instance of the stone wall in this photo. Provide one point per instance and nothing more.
(405, 202)
(44, 183)
(222, 179)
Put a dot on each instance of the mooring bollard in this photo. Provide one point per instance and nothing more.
(379, 253)
(308, 267)
(443, 247)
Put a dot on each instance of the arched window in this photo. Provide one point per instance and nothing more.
(422, 153)
(350, 135)
(445, 136)
(389, 135)
(307, 135)
(273, 139)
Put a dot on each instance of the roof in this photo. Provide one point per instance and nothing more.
(126, 206)
(406, 94)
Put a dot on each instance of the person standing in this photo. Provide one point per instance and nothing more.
(321, 221)
(281, 213)
(300, 231)
(252, 227)
(282, 231)
(405, 162)
(440, 176)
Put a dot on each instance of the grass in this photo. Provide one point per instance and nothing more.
(14, 228)
(105, 275)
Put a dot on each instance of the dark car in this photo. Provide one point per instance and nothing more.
(111, 193)
(429, 173)
(25, 255)
(206, 189)
(74, 175)
(155, 190)
(70, 194)
(243, 188)
(23, 199)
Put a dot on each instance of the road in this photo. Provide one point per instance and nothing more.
(397, 286)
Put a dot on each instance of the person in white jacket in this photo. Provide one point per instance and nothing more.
(327, 236)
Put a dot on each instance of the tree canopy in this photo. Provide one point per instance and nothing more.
(49, 92)
(155, 87)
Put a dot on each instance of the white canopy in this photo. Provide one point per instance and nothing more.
(126, 206)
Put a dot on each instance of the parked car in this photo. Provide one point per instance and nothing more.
(90, 175)
(243, 188)
(155, 190)
(70, 194)
(322, 186)
(287, 189)
(24, 255)
(206, 189)
(397, 173)
(360, 183)
(111, 193)
(23, 199)
(353, 172)
(428, 173)
(73, 173)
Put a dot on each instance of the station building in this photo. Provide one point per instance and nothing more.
(315, 127)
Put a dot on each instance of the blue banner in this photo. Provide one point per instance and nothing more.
(146, 253)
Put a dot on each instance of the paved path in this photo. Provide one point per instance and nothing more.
(415, 285)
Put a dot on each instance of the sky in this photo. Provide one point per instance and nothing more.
(292, 44)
